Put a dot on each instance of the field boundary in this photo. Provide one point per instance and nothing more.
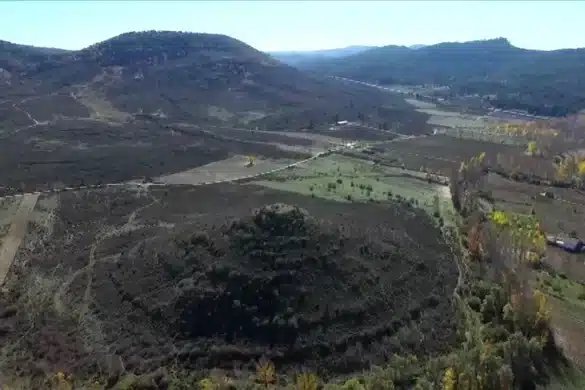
(16, 233)
(337, 149)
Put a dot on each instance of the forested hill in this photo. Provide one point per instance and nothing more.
(541, 82)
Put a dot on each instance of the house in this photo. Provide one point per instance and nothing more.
(342, 123)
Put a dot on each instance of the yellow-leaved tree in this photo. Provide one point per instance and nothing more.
(581, 167)
(532, 148)
(449, 380)
(568, 168)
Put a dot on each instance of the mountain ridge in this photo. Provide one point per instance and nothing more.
(296, 57)
(541, 82)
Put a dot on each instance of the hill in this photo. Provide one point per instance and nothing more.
(187, 76)
(541, 82)
(203, 77)
(306, 56)
(193, 276)
(131, 95)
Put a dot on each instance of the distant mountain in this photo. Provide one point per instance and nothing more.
(297, 57)
(416, 46)
(541, 82)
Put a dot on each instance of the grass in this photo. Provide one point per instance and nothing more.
(569, 378)
(348, 179)
(570, 292)
(100, 108)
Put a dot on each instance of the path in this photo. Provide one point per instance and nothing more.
(16, 233)
(235, 179)
(89, 267)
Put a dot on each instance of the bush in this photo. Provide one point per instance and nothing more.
(581, 295)
(474, 303)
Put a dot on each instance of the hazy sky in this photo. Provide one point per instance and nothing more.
(298, 25)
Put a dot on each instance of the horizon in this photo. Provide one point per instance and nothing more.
(276, 26)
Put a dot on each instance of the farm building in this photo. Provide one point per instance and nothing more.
(342, 123)
(573, 245)
(546, 195)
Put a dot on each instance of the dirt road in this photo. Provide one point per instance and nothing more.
(16, 233)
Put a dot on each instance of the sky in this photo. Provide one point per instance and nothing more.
(300, 25)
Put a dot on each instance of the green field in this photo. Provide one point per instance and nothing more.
(569, 293)
(348, 179)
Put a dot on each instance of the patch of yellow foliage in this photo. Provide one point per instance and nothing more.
(531, 128)
(500, 218)
(449, 380)
(524, 229)
(307, 381)
(571, 166)
(265, 373)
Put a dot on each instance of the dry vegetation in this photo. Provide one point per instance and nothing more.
(195, 277)
(404, 263)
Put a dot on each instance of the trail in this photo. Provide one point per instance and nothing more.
(336, 149)
(34, 121)
(16, 233)
(101, 236)
(89, 267)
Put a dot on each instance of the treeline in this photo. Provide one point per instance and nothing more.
(510, 344)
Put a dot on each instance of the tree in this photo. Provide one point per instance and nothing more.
(251, 161)
(449, 380)
(567, 168)
(532, 148)
(307, 381)
(474, 242)
(581, 167)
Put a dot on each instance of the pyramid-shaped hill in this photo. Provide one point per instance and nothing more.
(280, 282)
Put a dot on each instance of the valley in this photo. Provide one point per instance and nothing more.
(209, 217)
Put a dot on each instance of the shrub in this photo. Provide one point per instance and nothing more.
(353, 384)
(307, 381)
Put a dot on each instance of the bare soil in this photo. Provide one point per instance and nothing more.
(232, 168)
(13, 238)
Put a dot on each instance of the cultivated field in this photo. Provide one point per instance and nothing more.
(348, 179)
(232, 168)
